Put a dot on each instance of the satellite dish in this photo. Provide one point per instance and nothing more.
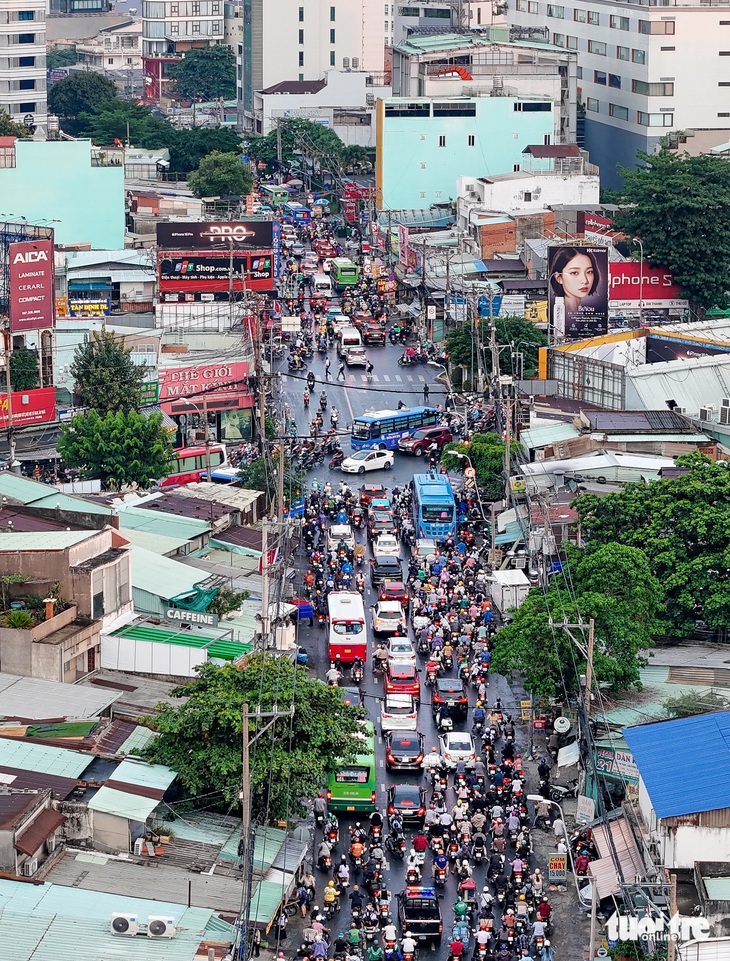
(562, 725)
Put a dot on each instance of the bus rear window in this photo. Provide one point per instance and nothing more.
(435, 515)
(348, 627)
(353, 775)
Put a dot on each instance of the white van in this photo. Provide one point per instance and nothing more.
(321, 285)
(347, 337)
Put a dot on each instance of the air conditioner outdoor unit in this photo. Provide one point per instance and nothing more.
(30, 868)
(725, 415)
(726, 401)
(680, 410)
(160, 927)
(706, 413)
(51, 843)
(125, 925)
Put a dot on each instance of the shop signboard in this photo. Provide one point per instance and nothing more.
(29, 407)
(211, 272)
(100, 307)
(212, 235)
(557, 869)
(616, 763)
(633, 284)
(223, 385)
(32, 285)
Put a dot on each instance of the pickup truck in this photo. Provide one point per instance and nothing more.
(419, 912)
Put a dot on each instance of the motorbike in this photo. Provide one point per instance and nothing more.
(559, 792)
(323, 403)
(396, 845)
(413, 875)
(321, 619)
(357, 674)
(439, 876)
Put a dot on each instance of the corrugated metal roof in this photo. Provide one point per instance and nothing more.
(133, 807)
(42, 540)
(169, 525)
(68, 502)
(144, 774)
(49, 922)
(691, 383)
(161, 576)
(542, 436)
(32, 699)
(702, 786)
(137, 740)
(265, 900)
(42, 759)
(217, 647)
(155, 542)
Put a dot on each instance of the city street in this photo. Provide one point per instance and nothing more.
(354, 397)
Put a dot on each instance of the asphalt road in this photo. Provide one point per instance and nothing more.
(352, 397)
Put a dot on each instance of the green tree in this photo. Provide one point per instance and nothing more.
(201, 738)
(24, 369)
(515, 335)
(189, 147)
(9, 128)
(260, 475)
(106, 376)
(683, 527)
(616, 588)
(680, 208)
(119, 448)
(62, 57)
(80, 93)
(206, 73)
(301, 140)
(220, 173)
(112, 120)
(486, 453)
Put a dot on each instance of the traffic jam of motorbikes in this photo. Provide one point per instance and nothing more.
(438, 858)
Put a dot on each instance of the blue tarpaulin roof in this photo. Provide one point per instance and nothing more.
(703, 744)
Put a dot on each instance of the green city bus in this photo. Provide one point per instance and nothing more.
(353, 786)
(274, 193)
(345, 272)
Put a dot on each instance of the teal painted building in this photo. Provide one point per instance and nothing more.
(425, 144)
(54, 183)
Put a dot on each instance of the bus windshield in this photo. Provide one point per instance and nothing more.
(434, 506)
(388, 426)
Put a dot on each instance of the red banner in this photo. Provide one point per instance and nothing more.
(32, 293)
(222, 385)
(629, 281)
(29, 406)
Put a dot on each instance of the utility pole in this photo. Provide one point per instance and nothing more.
(388, 247)
(279, 152)
(672, 944)
(589, 667)
(265, 625)
(507, 453)
(280, 476)
(8, 342)
(207, 440)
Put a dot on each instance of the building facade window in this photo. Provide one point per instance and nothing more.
(301, 58)
(442, 140)
(623, 53)
(533, 6)
(26, 15)
(599, 76)
(654, 119)
(658, 89)
(571, 43)
(26, 38)
(332, 58)
(594, 18)
(332, 14)
(301, 14)
(332, 36)
(638, 56)
(592, 105)
(619, 23)
(27, 84)
(301, 38)
(661, 27)
(556, 11)
(559, 39)
(595, 46)
(27, 107)
(620, 113)
(614, 81)
(471, 140)
(26, 61)
(579, 16)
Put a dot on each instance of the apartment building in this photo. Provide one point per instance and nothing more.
(436, 16)
(23, 63)
(172, 27)
(299, 41)
(645, 70)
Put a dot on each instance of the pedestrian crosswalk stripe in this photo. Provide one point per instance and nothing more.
(399, 378)
(421, 378)
(386, 378)
(409, 378)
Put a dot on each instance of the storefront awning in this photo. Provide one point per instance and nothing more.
(569, 755)
(616, 835)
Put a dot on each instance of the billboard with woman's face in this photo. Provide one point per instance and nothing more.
(578, 291)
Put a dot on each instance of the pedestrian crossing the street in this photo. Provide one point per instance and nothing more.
(387, 379)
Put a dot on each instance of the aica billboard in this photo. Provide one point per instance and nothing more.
(32, 294)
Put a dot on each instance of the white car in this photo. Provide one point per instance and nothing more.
(365, 460)
(340, 532)
(399, 712)
(457, 746)
(386, 544)
(388, 617)
(400, 649)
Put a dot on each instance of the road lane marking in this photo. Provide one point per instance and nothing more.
(409, 378)
(399, 378)
(386, 378)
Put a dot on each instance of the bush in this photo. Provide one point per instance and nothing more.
(19, 620)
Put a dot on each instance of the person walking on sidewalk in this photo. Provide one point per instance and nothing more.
(341, 371)
(327, 365)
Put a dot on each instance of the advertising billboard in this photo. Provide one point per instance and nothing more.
(224, 386)
(215, 235)
(654, 287)
(88, 308)
(578, 291)
(211, 272)
(32, 293)
(660, 349)
(595, 227)
(29, 407)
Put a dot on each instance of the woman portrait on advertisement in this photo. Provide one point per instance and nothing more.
(578, 289)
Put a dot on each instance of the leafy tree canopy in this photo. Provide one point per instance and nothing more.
(206, 73)
(680, 208)
(516, 333)
(62, 57)
(260, 475)
(615, 586)
(683, 527)
(24, 369)
(110, 121)
(9, 128)
(301, 139)
(486, 453)
(189, 147)
(120, 448)
(80, 93)
(220, 173)
(107, 378)
(201, 738)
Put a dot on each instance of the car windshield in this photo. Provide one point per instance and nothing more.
(361, 455)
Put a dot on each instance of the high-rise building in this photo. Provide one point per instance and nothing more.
(23, 62)
(285, 40)
(645, 70)
(171, 27)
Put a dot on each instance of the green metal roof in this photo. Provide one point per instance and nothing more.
(51, 922)
(441, 43)
(132, 807)
(42, 759)
(216, 646)
(155, 522)
(162, 576)
(512, 531)
(144, 774)
(267, 844)
(42, 540)
(137, 740)
(155, 542)
(641, 707)
(265, 899)
(537, 437)
(68, 502)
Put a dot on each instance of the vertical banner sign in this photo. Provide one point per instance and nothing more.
(32, 293)
(557, 869)
(578, 291)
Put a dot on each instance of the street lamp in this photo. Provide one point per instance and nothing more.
(204, 415)
(639, 242)
(538, 798)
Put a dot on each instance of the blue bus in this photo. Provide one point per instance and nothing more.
(434, 506)
(384, 428)
(298, 212)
